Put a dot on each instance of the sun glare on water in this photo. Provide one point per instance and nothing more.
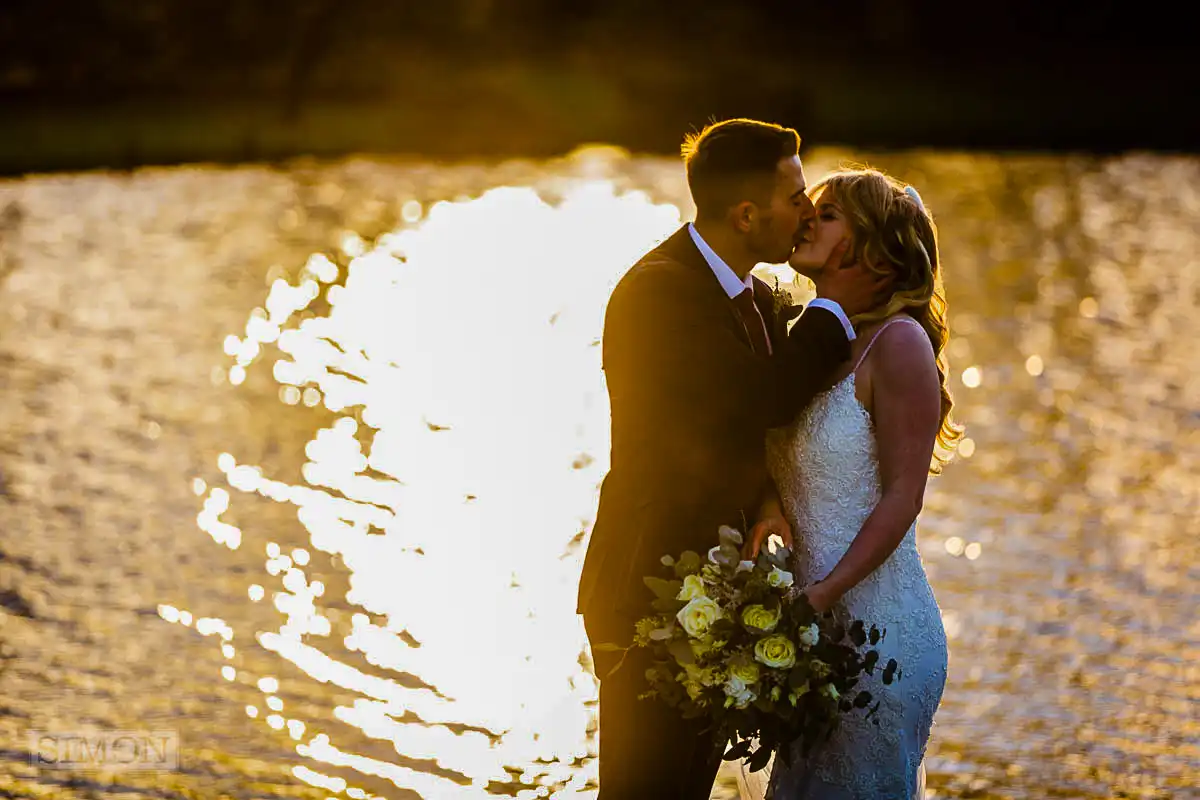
(461, 358)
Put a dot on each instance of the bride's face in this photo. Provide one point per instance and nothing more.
(827, 230)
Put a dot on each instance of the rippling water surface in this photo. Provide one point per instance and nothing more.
(301, 462)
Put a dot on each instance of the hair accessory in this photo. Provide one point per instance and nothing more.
(911, 192)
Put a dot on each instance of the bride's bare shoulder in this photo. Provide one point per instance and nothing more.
(902, 352)
(901, 329)
(885, 338)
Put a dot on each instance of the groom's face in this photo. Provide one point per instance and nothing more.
(789, 211)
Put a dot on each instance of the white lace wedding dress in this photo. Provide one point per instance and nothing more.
(826, 468)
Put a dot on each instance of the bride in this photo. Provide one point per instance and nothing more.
(851, 474)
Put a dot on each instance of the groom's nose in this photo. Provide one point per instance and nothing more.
(805, 228)
(808, 212)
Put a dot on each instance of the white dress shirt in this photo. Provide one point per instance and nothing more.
(733, 286)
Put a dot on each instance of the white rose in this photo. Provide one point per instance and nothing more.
(779, 578)
(737, 693)
(810, 635)
(712, 555)
(776, 651)
(698, 616)
(744, 566)
(693, 587)
(730, 533)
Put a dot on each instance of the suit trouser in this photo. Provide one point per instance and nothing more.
(647, 750)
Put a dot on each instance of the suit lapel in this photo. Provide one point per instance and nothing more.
(681, 248)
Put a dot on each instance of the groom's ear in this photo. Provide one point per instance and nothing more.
(744, 216)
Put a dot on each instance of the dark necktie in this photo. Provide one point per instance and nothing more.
(756, 328)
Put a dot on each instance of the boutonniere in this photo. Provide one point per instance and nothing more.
(781, 298)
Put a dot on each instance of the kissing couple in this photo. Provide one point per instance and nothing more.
(821, 431)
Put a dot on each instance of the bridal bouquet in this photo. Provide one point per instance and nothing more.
(731, 641)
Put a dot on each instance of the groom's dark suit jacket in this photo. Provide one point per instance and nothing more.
(691, 404)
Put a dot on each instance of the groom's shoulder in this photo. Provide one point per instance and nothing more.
(663, 278)
(655, 271)
(662, 284)
(657, 263)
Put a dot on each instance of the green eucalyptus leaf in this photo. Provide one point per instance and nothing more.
(759, 759)
(798, 676)
(663, 589)
(668, 605)
(688, 563)
(775, 560)
(681, 651)
(730, 536)
(725, 556)
(739, 750)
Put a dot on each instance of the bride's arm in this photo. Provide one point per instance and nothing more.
(906, 400)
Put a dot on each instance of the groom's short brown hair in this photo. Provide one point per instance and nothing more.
(735, 160)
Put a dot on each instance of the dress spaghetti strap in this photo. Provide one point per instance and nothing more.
(862, 356)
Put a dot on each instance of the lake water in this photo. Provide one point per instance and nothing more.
(298, 463)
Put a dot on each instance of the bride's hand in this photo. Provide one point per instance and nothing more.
(819, 597)
(761, 531)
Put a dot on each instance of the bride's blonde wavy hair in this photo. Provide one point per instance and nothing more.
(893, 234)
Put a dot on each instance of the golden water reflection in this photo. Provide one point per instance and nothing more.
(372, 393)
(459, 357)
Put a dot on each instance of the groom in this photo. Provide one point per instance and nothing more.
(698, 368)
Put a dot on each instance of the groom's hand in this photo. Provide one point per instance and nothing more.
(762, 531)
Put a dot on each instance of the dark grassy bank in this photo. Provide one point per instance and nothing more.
(526, 111)
(120, 84)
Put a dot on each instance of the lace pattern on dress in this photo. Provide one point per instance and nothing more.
(826, 468)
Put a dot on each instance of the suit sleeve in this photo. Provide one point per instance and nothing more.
(807, 361)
